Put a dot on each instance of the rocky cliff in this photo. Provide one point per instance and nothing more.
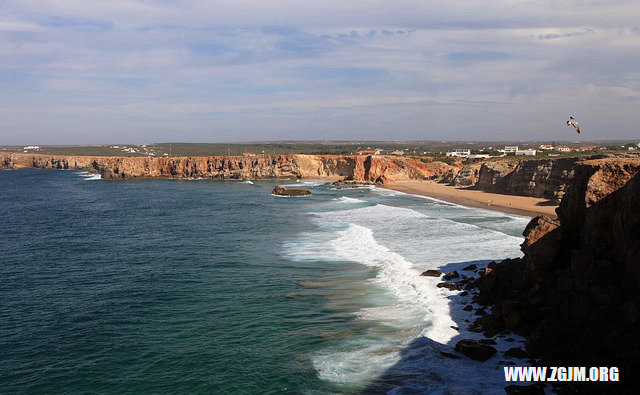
(370, 169)
(545, 178)
(466, 176)
(35, 161)
(575, 294)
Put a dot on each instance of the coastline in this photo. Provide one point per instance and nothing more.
(521, 205)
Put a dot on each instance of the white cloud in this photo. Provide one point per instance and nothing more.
(339, 69)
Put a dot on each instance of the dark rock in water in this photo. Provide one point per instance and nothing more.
(533, 389)
(475, 349)
(432, 273)
(451, 275)
(516, 352)
(468, 308)
(349, 183)
(450, 286)
(489, 333)
(470, 267)
(449, 355)
(464, 293)
(481, 311)
(490, 342)
(455, 327)
(282, 191)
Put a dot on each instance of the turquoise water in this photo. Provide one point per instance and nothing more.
(218, 286)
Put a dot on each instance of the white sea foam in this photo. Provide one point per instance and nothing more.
(417, 295)
(246, 182)
(87, 176)
(300, 183)
(401, 242)
(346, 199)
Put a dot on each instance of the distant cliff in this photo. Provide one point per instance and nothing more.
(371, 169)
(35, 161)
(575, 294)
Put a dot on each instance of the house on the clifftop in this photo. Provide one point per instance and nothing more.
(369, 152)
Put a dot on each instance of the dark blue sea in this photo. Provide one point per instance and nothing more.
(210, 286)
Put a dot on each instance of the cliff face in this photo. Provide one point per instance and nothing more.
(546, 178)
(576, 292)
(467, 176)
(35, 161)
(372, 169)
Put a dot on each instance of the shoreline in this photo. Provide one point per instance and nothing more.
(511, 204)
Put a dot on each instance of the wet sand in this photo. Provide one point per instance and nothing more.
(522, 205)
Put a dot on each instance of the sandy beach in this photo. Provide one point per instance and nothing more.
(522, 205)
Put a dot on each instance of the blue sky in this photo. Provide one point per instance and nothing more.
(85, 72)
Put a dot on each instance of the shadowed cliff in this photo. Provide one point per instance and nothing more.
(575, 294)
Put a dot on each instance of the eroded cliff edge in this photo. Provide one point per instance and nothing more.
(575, 294)
(371, 169)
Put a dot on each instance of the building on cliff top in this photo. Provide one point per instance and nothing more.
(369, 152)
(461, 153)
(531, 152)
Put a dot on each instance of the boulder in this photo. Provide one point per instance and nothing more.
(282, 191)
(450, 286)
(474, 349)
(516, 352)
(432, 273)
(451, 275)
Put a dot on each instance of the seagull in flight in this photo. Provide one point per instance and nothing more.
(572, 121)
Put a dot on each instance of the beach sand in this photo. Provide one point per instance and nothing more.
(522, 205)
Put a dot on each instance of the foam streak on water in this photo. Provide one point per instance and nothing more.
(400, 239)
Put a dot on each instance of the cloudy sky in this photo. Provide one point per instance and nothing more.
(137, 71)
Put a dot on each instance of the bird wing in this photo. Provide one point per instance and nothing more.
(576, 125)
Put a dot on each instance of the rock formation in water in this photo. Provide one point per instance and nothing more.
(575, 294)
(282, 191)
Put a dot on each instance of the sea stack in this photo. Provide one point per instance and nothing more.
(282, 191)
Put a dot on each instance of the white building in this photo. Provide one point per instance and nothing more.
(510, 149)
(462, 153)
(33, 147)
(526, 152)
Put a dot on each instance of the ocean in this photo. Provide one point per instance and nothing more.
(220, 287)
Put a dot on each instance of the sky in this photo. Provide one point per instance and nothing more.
(138, 71)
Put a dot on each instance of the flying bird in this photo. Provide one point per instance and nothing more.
(572, 121)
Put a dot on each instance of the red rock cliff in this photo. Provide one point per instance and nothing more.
(372, 169)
